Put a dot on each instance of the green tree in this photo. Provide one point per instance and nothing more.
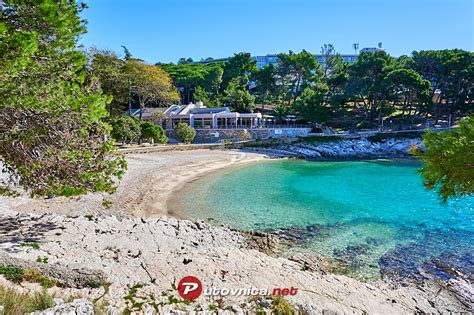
(451, 72)
(108, 69)
(408, 88)
(237, 96)
(187, 77)
(297, 71)
(52, 138)
(131, 80)
(200, 94)
(267, 89)
(127, 53)
(183, 61)
(364, 84)
(240, 65)
(334, 78)
(331, 57)
(151, 131)
(184, 133)
(125, 128)
(151, 85)
(449, 161)
(336, 82)
(311, 105)
(282, 110)
(212, 80)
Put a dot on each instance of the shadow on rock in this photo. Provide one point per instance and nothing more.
(24, 228)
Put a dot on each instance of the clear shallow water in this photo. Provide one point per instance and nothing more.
(372, 217)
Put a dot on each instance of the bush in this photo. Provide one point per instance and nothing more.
(184, 133)
(8, 192)
(11, 273)
(34, 276)
(244, 135)
(125, 128)
(281, 306)
(150, 130)
(18, 275)
(57, 155)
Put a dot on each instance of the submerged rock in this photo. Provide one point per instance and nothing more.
(263, 242)
(300, 235)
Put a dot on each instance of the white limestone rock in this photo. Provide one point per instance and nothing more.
(76, 307)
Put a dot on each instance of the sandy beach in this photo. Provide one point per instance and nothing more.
(145, 189)
(153, 177)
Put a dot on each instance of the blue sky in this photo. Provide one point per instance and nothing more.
(165, 30)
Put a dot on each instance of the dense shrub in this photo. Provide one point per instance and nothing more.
(184, 133)
(52, 137)
(244, 135)
(125, 128)
(18, 275)
(151, 130)
(57, 155)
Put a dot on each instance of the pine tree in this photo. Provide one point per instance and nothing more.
(51, 135)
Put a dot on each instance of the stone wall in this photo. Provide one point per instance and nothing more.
(166, 147)
(218, 135)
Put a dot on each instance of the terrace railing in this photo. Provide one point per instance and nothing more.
(272, 126)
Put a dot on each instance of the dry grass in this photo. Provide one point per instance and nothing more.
(15, 302)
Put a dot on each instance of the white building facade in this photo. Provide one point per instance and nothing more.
(199, 116)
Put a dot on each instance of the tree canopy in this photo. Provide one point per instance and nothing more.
(449, 160)
(188, 76)
(52, 138)
(237, 96)
(131, 80)
(150, 84)
(375, 89)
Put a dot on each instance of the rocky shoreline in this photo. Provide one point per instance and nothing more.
(144, 258)
(344, 149)
(123, 258)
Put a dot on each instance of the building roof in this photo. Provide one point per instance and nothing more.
(211, 110)
(200, 111)
(175, 109)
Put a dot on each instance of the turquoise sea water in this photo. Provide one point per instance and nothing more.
(374, 218)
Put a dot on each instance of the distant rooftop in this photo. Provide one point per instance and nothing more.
(211, 110)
